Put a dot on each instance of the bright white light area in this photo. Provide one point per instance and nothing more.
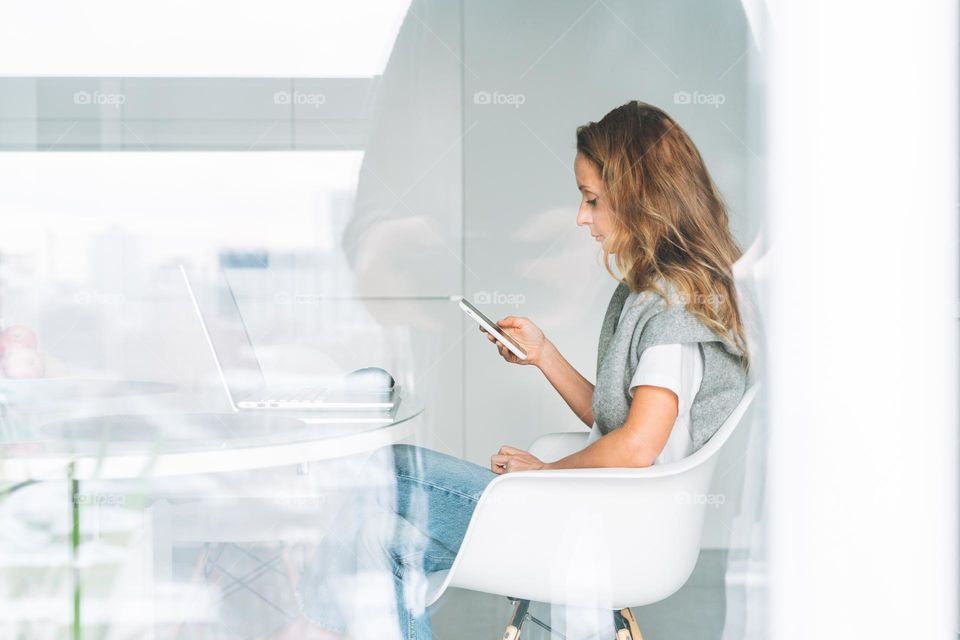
(285, 38)
(59, 206)
(863, 357)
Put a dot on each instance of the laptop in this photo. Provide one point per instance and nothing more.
(243, 379)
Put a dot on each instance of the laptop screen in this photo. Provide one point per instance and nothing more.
(225, 330)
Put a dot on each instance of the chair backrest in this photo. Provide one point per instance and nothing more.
(711, 447)
(603, 538)
(750, 276)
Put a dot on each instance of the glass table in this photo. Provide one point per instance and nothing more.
(157, 445)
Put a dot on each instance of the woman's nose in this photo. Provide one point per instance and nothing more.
(583, 217)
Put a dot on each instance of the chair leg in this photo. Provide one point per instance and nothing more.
(512, 631)
(626, 625)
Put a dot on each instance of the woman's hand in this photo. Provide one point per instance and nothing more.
(526, 334)
(512, 459)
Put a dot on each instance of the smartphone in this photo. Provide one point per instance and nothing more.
(491, 327)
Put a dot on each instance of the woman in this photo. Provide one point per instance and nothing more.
(671, 363)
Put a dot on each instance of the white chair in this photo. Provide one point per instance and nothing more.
(614, 538)
(600, 538)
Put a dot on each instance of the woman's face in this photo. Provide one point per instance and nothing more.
(594, 211)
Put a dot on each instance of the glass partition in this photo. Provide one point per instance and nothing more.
(352, 170)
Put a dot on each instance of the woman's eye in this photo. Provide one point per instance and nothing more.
(592, 203)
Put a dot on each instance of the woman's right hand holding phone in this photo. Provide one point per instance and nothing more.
(526, 334)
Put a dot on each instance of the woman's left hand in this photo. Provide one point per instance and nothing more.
(512, 459)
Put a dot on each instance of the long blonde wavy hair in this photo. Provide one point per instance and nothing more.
(669, 219)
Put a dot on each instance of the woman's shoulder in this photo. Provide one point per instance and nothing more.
(658, 314)
(669, 320)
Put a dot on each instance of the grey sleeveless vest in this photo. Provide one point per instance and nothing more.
(651, 321)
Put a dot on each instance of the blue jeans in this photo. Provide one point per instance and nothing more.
(412, 525)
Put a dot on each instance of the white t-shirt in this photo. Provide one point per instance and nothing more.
(679, 368)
